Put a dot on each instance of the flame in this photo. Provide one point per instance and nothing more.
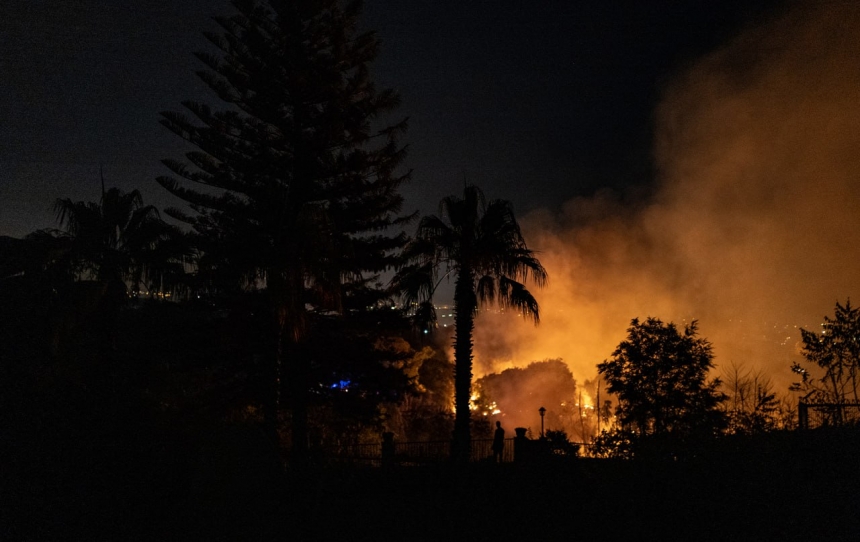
(587, 401)
(752, 228)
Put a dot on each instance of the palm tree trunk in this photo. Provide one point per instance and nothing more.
(464, 324)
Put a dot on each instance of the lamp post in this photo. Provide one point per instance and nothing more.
(542, 411)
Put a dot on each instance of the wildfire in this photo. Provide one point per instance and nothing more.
(774, 190)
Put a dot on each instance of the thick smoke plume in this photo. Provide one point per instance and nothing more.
(754, 226)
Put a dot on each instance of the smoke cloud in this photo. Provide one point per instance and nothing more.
(754, 225)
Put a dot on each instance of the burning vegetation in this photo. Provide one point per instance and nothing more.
(752, 229)
(514, 395)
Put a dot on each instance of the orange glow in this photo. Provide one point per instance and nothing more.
(753, 229)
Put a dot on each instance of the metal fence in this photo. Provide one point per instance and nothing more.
(482, 449)
(815, 415)
(412, 453)
(353, 454)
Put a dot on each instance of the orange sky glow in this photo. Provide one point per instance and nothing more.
(754, 227)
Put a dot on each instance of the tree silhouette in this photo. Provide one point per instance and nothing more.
(660, 377)
(751, 405)
(297, 169)
(518, 392)
(482, 246)
(836, 350)
(41, 256)
(110, 245)
(119, 240)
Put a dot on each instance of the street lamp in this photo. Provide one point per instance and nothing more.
(542, 411)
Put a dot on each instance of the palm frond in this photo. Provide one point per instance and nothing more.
(424, 317)
(415, 283)
(486, 289)
(513, 294)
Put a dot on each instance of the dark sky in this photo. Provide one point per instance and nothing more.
(537, 102)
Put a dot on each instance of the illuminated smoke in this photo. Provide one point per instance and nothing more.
(753, 229)
(514, 396)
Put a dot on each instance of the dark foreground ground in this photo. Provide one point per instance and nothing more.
(789, 487)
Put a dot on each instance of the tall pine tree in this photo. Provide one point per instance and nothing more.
(298, 167)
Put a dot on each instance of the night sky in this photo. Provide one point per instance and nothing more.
(536, 102)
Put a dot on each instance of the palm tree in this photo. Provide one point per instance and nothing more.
(482, 247)
(120, 241)
(115, 243)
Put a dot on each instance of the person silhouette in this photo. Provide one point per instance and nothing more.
(498, 443)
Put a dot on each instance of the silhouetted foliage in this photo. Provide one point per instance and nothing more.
(517, 394)
(426, 412)
(836, 350)
(482, 247)
(35, 272)
(109, 246)
(361, 373)
(660, 377)
(616, 443)
(41, 255)
(121, 242)
(298, 170)
(751, 405)
(560, 444)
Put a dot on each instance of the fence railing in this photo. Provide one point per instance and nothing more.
(413, 453)
(356, 454)
(814, 415)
